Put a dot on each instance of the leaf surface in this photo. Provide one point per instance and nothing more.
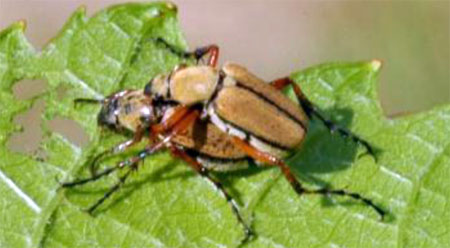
(165, 204)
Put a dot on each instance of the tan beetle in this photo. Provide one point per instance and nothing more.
(215, 120)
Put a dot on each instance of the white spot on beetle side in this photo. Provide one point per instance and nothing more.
(267, 148)
(255, 142)
(236, 132)
(216, 120)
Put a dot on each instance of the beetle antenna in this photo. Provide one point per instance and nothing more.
(88, 100)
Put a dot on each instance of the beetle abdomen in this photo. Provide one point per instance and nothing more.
(211, 147)
(205, 138)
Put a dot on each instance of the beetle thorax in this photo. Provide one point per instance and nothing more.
(188, 85)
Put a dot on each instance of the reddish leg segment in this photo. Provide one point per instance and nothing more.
(213, 51)
(165, 125)
(176, 129)
(296, 185)
(311, 110)
(179, 127)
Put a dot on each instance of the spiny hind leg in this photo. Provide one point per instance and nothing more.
(203, 171)
(312, 110)
(296, 185)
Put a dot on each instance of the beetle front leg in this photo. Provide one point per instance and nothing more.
(312, 110)
(113, 189)
(93, 178)
(180, 125)
(197, 54)
(201, 170)
(181, 122)
(296, 185)
(117, 149)
(131, 163)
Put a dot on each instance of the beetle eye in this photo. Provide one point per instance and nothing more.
(148, 88)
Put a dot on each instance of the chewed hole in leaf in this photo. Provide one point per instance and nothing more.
(70, 130)
(27, 141)
(27, 89)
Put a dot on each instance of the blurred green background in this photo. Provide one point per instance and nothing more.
(276, 38)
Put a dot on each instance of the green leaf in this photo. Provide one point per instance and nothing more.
(165, 204)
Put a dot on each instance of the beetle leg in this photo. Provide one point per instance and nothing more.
(133, 162)
(197, 54)
(296, 185)
(312, 110)
(113, 189)
(133, 165)
(165, 125)
(117, 149)
(95, 177)
(179, 127)
(213, 51)
(200, 169)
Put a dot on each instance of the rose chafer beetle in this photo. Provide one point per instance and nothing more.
(214, 120)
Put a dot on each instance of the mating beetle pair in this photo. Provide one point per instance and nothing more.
(214, 120)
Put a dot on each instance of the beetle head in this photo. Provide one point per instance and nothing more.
(129, 109)
(108, 115)
(125, 110)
